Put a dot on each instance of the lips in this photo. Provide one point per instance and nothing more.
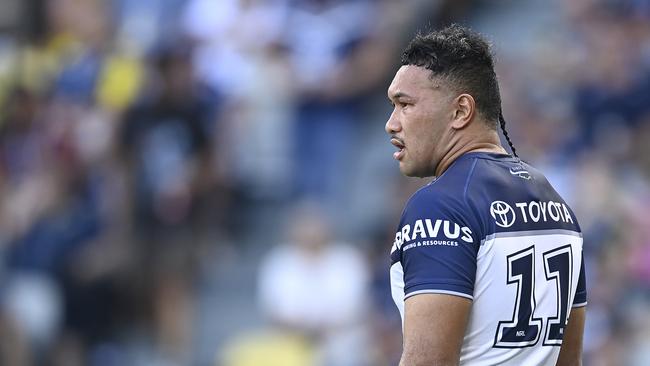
(399, 144)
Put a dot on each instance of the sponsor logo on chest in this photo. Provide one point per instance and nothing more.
(440, 232)
(505, 215)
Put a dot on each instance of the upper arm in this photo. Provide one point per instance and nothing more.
(434, 326)
(571, 350)
(437, 246)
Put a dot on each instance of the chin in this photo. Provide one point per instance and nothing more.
(409, 171)
(414, 172)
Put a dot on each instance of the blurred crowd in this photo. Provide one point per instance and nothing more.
(203, 182)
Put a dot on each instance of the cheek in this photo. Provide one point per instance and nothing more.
(426, 138)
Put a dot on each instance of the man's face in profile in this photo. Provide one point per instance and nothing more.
(419, 123)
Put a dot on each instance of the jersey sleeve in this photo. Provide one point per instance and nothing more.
(438, 247)
(581, 291)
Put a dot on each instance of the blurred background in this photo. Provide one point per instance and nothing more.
(208, 182)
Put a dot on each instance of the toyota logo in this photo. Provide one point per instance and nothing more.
(502, 213)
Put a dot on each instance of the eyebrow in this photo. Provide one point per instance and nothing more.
(398, 95)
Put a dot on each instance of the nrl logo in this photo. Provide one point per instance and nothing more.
(523, 174)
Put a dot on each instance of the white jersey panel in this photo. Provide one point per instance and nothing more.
(397, 287)
(518, 272)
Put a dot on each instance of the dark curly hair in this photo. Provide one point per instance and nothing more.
(462, 59)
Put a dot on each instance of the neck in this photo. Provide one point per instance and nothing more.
(459, 149)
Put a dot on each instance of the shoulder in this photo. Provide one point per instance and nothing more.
(447, 191)
(511, 195)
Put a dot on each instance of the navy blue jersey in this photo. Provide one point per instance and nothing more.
(492, 229)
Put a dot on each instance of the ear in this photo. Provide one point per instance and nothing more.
(465, 108)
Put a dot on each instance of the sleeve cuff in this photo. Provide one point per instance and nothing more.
(447, 289)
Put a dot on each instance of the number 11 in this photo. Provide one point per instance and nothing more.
(524, 330)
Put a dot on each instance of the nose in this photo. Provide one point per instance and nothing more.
(393, 124)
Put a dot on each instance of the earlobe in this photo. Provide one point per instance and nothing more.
(464, 113)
